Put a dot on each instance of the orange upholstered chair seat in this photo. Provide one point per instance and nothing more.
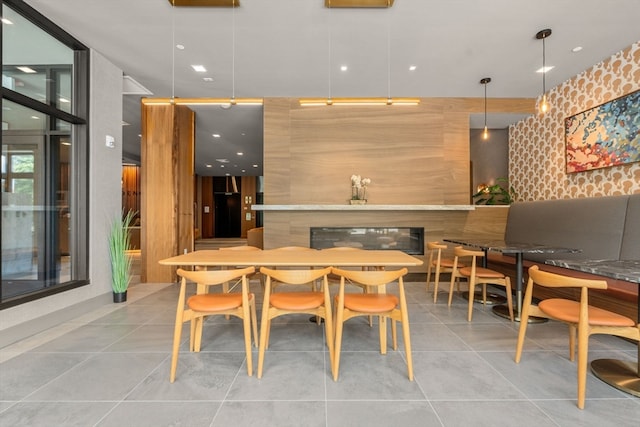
(370, 303)
(297, 300)
(569, 311)
(482, 272)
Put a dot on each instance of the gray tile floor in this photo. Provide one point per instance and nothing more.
(111, 368)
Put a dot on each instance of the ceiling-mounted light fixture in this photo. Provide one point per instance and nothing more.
(202, 101)
(358, 3)
(485, 82)
(317, 102)
(543, 35)
(206, 3)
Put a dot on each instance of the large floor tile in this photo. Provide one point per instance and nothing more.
(375, 413)
(48, 414)
(272, 413)
(161, 414)
(105, 376)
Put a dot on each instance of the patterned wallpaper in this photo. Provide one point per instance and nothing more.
(536, 144)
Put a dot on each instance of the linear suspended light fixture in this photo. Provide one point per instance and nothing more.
(485, 82)
(358, 3)
(543, 35)
(203, 101)
(315, 102)
(206, 3)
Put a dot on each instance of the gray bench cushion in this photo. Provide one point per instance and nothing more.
(595, 225)
(631, 239)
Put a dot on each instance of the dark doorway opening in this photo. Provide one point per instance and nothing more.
(227, 215)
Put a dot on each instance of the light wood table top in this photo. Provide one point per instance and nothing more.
(293, 258)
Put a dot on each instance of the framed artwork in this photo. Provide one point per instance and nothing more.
(604, 136)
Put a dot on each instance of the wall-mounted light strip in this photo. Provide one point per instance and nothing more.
(202, 101)
(316, 102)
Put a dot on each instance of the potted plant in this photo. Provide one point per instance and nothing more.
(119, 244)
(495, 194)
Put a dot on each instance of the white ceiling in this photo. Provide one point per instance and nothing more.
(294, 48)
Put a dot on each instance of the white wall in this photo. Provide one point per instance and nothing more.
(105, 118)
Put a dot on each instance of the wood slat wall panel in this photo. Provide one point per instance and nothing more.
(167, 158)
(413, 155)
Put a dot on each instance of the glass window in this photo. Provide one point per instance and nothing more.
(44, 159)
(34, 63)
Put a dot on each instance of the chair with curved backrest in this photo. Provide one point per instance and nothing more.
(275, 304)
(478, 276)
(203, 304)
(334, 279)
(579, 315)
(293, 249)
(438, 265)
(243, 248)
(381, 304)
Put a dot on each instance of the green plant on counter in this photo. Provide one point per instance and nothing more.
(119, 244)
(495, 194)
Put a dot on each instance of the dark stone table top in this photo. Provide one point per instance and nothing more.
(628, 270)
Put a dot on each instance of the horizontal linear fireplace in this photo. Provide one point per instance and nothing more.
(405, 239)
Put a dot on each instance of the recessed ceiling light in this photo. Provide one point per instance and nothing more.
(255, 166)
(576, 49)
(545, 69)
(240, 153)
(208, 165)
(207, 79)
(221, 166)
(199, 68)
(243, 170)
(227, 174)
(412, 67)
(222, 160)
(216, 135)
(180, 46)
(35, 117)
(25, 69)
(343, 68)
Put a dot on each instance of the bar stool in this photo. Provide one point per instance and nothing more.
(441, 265)
(478, 276)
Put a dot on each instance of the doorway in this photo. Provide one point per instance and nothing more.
(227, 214)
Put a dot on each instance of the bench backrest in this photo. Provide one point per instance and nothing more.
(595, 225)
(631, 238)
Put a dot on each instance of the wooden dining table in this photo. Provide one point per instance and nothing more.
(294, 258)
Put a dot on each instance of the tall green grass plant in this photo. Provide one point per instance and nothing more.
(119, 244)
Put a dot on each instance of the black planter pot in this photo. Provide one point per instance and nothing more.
(120, 296)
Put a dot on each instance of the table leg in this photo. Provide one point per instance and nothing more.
(625, 376)
(503, 310)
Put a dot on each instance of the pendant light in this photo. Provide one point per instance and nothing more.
(485, 82)
(543, 35)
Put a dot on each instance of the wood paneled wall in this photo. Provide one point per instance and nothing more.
(167, 183)
(413, 155)
(131, 188)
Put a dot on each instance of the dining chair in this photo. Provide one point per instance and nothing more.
(476, 275)
(334, 279)
(381, 304)
(244, 248)
(204, 304)
(578, 315)
(293, 249)
(294, 301)
(437, 264)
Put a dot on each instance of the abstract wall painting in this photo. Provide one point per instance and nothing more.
(604, 136)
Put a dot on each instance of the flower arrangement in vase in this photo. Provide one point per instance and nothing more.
(359, 190)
